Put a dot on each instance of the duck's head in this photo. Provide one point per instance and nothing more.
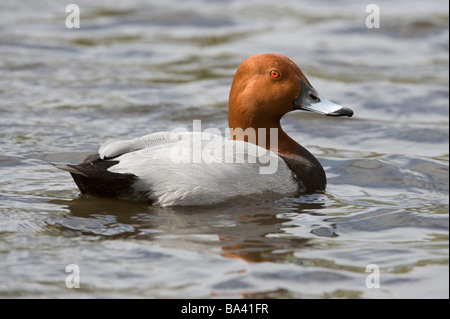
(267, 86)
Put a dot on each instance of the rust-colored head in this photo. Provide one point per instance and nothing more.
(266, 87)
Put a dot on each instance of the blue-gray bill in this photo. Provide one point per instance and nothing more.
(326, 107)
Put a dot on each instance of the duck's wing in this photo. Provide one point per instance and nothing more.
(200, 168)
(113, 149)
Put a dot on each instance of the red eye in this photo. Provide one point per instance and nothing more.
(275, 74)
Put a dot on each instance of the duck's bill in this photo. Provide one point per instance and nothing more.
(310, 100)
(327, 107)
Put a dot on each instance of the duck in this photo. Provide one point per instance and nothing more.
(256, 157)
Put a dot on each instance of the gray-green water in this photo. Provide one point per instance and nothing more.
(138, 67)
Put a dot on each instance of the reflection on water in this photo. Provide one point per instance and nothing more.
(253, 234)
(138, 67)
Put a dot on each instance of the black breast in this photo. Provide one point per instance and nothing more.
(308, 173)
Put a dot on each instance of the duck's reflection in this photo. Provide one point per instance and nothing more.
(251, 231)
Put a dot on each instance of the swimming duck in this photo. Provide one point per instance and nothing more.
(199, 168)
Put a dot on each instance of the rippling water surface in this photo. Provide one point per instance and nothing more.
(140, 66)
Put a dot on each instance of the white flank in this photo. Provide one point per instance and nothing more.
(198, 168)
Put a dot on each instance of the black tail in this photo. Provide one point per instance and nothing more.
(92, 177)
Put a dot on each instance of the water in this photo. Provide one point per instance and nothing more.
(139, 67)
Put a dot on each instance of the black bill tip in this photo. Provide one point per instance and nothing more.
(342, 112)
